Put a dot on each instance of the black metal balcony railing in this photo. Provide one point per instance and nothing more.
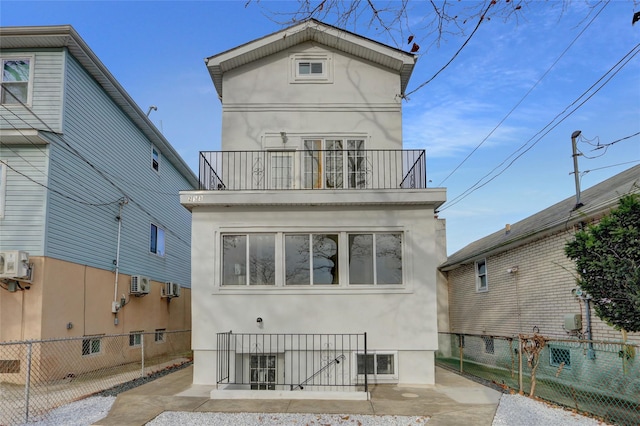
(312, 169)
(292, 361)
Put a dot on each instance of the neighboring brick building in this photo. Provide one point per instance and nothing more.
(519, 280)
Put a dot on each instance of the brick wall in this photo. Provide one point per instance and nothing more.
(536, 297)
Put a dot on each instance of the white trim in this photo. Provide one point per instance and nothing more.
(375, 377)
(323, 58)
(479, 287)
(154, 149)
(32, 61)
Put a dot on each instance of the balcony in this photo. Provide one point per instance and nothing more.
(312, 169)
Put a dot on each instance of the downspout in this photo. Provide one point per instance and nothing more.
(591, 354)
(115, 306)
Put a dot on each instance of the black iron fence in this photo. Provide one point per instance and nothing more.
(312, 169)
(292, 361)
(599, 378)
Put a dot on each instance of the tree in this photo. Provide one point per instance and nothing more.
(607, 257)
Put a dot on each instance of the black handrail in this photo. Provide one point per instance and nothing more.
(337, 360)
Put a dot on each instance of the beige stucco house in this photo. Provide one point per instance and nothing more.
(313, 226)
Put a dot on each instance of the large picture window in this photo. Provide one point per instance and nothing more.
(334, 163)
(248, 259)
(16, 77)
(311, 259)
(375, 258)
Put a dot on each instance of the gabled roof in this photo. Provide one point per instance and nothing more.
(316, 31)
(65, 36)
(596, 201)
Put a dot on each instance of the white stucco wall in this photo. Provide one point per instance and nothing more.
(402, 318)
(259, 98)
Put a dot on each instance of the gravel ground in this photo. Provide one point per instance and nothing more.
(514, 410)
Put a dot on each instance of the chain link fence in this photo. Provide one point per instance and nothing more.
(37, 376)
(598, 378)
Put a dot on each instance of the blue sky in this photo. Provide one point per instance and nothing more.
(490, 105)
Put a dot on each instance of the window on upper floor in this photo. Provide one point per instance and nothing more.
(335, 163)
(375, 258)
(481, 276)
(311, 67)
(3, 186)
(16, 80)
(155, 158)
(248, 259)
(156, 240)
(312, 259)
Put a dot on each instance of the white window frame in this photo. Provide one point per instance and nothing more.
(276, 178)
(135, 338)
(279, 259)
(374, 376)
(90, 341)
(31, 59)
(481, 285)
(375, 259)
(160, 234)
(324, 58)
(311, 258)
(155, 164)
(325, 154)
(3, 187)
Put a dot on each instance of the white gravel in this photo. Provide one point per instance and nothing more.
(513, 410)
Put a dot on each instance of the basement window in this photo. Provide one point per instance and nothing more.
(559, 356)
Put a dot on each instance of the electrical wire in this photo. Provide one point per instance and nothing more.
(614, 70)
(525, 95)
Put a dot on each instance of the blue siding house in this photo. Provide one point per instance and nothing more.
(89, 190)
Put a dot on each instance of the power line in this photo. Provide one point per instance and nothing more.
(549, 127)
(405, 95)
(525, 96)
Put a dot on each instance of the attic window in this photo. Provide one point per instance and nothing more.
(311, 68)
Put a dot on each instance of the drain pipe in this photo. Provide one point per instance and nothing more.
(115, 306)
(591, 354)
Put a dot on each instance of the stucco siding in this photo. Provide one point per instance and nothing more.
(103, 158)
(46, 90)
(23, 225)
(535, 298)
(260, 97)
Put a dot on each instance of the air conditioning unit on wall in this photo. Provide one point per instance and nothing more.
(171, 290)
(139, 285)
(14, 264)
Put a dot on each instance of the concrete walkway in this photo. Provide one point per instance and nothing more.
(453, 400)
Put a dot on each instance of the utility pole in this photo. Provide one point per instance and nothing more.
(576, 173)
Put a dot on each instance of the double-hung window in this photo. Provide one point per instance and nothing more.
(481, 276)
(155, 159)
(375, 258)
(334, 163)
(248, 259)
(156, 240)
(16, 80)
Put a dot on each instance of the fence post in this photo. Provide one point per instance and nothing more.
(142, 355)
(366, 373)
(521, 390)
(27, 384)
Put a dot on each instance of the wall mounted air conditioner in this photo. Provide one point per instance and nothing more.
(14, 264)
(139, 285)
(171, 290)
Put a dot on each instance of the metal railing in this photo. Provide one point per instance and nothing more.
(599, 378)
(292, 361)
(39, 375)
(312, 169)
